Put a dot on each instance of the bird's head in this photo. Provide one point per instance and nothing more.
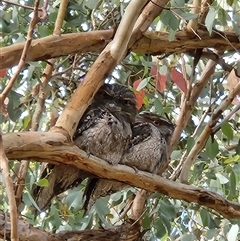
(165, 126)
(119, 100)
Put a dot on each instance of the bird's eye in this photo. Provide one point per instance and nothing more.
(104, 94)
(156, 123)
(127, 102)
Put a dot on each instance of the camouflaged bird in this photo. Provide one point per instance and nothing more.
(147, 151)
(103, 131)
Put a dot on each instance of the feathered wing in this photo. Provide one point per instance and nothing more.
(60, 178)
(63, 177)
(105, 138)
(103, 131)
(97, 188)
(147, 151)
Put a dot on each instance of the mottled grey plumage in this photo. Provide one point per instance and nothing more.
(60, 178)
(147, 151)
(103, 131)
(150, 142)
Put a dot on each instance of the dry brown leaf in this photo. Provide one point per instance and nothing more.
(232, 80)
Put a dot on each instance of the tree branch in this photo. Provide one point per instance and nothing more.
(193, 23)
(154, 43)
(207, 131)
(104, 64)
(227, 118)
(10, 192)
(24, 54)
(54, 147)
(188, 105)
(20, 5)
(46, 76)
(127, 231)
(3, 95)
(124, 31)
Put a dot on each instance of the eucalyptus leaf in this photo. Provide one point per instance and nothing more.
(221, 178)
(209, 21)
(160, 228)
(188, 237)
(233, 233)
(146, 222)
(42, 182)
(227, 130)
(212, 148)
(205, 217)
(143, 83)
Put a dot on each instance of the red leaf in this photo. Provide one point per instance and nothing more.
(139, 94)
(153, 71)
(232, 80)
(160, 79)
(3, 72)
(161, 82)
(179, 80)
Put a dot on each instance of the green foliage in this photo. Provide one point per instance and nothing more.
(216, 168)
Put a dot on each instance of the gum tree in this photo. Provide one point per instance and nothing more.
(179, 57)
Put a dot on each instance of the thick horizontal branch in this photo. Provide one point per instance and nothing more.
(54, 46)
(25, 230)
(54, 147)
(153, 43)
(127, 231)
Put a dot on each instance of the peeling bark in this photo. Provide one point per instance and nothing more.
(25, 230)
(154, 43)
(54, 147)
(125, 232)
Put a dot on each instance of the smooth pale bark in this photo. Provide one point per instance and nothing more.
(54, 147)
(127, 231)
(155, 43)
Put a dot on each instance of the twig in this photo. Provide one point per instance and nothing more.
(47, 74)
(193, 23)
(223, 35)
(110, 56)
(44, 10)
(20, 177)
(10, 192)
(208, 130)
(60, 17)
(3, 95)
(42, 96)
(178, 169)
(190, 28)
(227, 118)
(204, 10)
(138, 204)
(107, 19)
(92, 14)
(19, 5)
(24, 55)
(211, 55)
(187, 106)
(231, 147)
(176, 172)
(127, 207)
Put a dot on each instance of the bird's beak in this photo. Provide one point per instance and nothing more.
(114, 107)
